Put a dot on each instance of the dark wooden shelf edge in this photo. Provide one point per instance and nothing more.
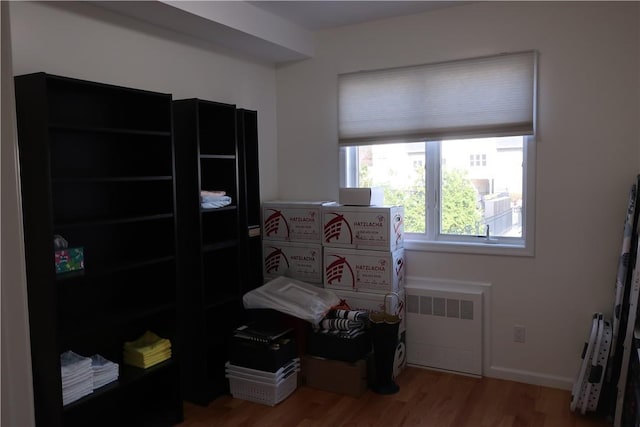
(212, 247)
(109, 179)
(112, 221)
(222, 209)
(92, 129)
(229, 299)
(113, 269)
(117, 318)
(218, 156)
(127, 376)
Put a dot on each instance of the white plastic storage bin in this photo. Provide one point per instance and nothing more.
(267, 388)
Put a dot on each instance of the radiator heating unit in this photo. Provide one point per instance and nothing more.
(444, 325)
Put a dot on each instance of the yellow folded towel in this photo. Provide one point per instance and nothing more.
(135, 360)
(146, 351)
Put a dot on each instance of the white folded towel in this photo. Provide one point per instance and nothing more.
(210, 202)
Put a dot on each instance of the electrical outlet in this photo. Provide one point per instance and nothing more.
(518, 333)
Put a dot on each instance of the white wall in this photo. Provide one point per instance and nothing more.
(587, 157)
(17, 388)
(76, 39)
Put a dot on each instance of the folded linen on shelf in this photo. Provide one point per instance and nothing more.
(146, 351)
(76, 375)
(215, 193)
(104, 371)
(145, 362)
(214, 199)
(212, 202)
(70, 396)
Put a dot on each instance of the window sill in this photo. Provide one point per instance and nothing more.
(500, 249)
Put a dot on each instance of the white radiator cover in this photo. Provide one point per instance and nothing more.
(445, 325)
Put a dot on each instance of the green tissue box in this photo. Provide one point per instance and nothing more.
(70, 259)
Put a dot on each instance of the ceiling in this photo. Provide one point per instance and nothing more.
(273, 31)
(319, 15)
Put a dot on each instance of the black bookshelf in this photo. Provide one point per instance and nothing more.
(97, 167)
(209, 244)
(250, 202)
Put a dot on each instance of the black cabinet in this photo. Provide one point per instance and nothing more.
(251, 233)
(210, 275)
(97, 167)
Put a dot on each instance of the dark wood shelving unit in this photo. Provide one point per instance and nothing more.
(250, 203)
(209, 245)
(97, 167)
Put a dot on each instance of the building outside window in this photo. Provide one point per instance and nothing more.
(459, 159)
(470, 198)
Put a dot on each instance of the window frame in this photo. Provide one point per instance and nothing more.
(432, 240)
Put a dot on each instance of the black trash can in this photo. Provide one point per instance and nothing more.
(384, 336)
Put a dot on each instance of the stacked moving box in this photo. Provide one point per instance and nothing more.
(363, 248)
(355, 251)
(363, 260)
(292, 240)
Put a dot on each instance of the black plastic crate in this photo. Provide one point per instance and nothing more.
(334, 347)
(263, 357)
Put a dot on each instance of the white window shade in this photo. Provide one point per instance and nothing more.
(489, 96)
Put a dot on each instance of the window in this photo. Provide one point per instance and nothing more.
(464, 186)
(477, 160)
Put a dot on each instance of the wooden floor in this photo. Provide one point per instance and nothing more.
(426, 398)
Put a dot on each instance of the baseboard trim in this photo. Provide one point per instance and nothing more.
(516, 375)
(529, 377)
(446, 371)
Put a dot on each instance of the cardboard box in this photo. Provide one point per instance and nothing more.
(293, 221)
(335, 376)
(368, 271)
(70, 259)
(368, 196)
(359, 227)
(302, 261)
(368, 301)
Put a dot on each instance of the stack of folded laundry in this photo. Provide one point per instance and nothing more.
(214, 199)
(77, 376)
(344, 323)
(104, 371)
(146, 351)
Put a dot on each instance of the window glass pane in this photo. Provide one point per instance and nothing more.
(399, 170)
(481, 185)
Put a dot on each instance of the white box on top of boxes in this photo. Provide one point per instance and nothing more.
(302, 261)
(294, 221)
(363, 227)
(363, 271)
(363, 196)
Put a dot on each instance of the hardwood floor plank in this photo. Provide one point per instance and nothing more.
(426, 399)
